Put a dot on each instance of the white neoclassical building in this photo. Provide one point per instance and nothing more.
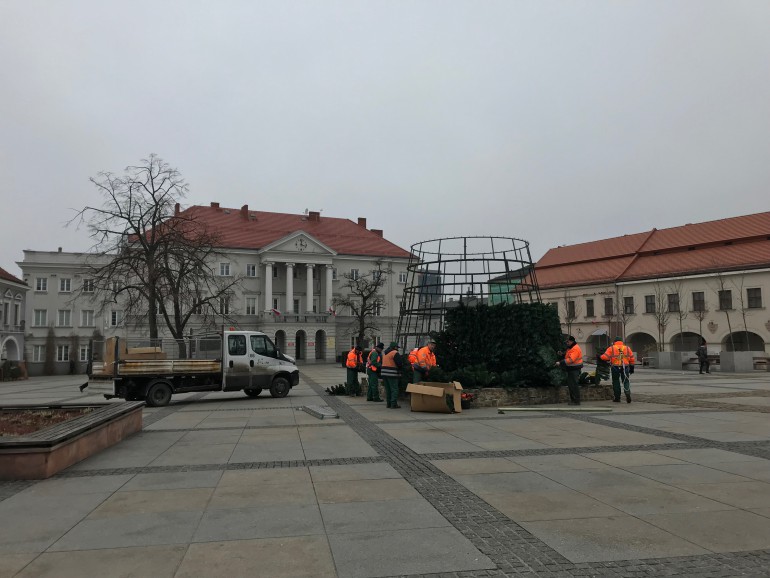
(13, 293)
(290, 266)
(666, 289)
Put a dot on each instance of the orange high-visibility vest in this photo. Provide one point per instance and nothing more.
(574, 356)
(413, 355)
(619, 354)
(426, 359)
(354, 359)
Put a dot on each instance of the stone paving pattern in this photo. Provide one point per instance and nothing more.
(674, 484)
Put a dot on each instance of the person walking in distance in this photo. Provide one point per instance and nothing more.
(573, 364)
(703, 356)
(353, 362)
(392, 362)
(426, 360)
(622, 359)
(373, 367)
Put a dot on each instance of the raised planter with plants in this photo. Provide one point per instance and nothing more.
(36, 442)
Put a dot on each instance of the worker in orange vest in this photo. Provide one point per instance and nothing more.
(354, 362)
(622, 359)
(573, 364)
(391, 371)
(413, 356)
(426, 360)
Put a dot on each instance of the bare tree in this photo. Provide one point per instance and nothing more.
(363, 300)
(700, 314)
(49, 366)
(722, 291)
(680, 312)
(624, 312)
(662, 314)
(570, 310)
(154, 260)
(739, 282)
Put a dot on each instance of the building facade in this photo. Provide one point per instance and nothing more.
(664, 290)
(13, 292)
(289, 270)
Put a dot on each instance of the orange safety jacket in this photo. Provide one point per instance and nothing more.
(374, 361)
(389, 367)
(354, 359)
(426, 359)
(619, 354)
(413, 355)
(574, 356)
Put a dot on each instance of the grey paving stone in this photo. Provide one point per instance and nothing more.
(152, 501)
(637, 458)
(286, 557)
(11, 563)
(244, 496)
(464, 466)
(342, 518)
(551, 505)
(63, 487)
(605, 539)
(374, 471)
(364, 491)
(677, 474)
(371, 554)
(558, 462)
(259, 522)
(508, 482)
(740, 495)
(131, 530)
(155, 561)
(655, 499)
(726, 531)
(174, 480)
(255, 478)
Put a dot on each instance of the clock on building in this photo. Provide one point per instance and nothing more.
(300, 244)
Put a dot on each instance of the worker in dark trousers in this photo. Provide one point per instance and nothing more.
(573, 365)
(373, 367)
(392, 363)
(622, 359)
(703, 356)
(353, 363)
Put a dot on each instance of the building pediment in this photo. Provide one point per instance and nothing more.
(299, 243)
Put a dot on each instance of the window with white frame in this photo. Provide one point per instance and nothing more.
(224, 306)
(87, 318)
(377, 309)
(88, 285)
(38, 353)
(84, 353)
(296, 306)
(116, 317)
(275, 272)
(65, 285)
(334, 273)
(198, 308)
(276, 304)
(224, 269)
(251, 305)
(40, 317)
(116, 286)
(754, 298)
(402, 277)
(41, 284)
(62, 353)
(354, 274)
(251, 270)
(64, 317)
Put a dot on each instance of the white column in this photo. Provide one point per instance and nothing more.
(289, 288)
(309, 288)
(268, 285)
(328, 296)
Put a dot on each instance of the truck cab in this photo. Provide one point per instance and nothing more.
(252, 363)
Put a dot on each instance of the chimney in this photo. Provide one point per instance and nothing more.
(314, 216)
(215, 205)
(176, 209)
(245, 211)
(362, 222)
(377, 232)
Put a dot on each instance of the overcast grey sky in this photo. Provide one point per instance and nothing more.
(554, 121)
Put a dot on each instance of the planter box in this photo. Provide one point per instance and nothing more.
(41, 454)
(495, 396)
(738, 361)
(667, 359)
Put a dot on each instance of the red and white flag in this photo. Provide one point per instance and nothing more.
(332, 312)
(276, 312)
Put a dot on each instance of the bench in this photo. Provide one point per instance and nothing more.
(694, 363)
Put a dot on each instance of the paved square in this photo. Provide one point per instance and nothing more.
(676, 483)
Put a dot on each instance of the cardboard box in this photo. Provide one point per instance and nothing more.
(430, 396)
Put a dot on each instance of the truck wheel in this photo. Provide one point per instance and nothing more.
(280, 387)
(253, 392)
(159, 394)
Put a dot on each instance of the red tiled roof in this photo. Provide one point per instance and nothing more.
(726, 244)
(261, 228)
(8, 277)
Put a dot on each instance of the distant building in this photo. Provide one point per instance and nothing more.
(13, 293)
(291, 267)
(664, 289)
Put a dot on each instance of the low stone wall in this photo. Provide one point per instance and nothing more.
(494, 396)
